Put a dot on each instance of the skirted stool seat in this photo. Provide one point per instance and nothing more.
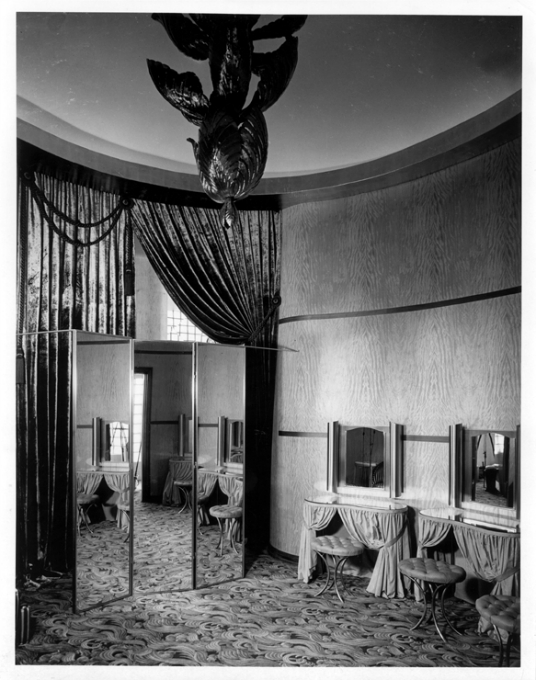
(84, 502)
(341, 548)
(227, 512)
(436, 576)
(503, 612)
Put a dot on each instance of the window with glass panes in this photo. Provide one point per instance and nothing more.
(179, 327)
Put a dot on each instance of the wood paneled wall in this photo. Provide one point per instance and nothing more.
(221, 384)
(431, 241)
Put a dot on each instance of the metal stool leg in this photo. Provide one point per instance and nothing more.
(435, 590)
(501, 646)
(445, 613)
(220, 542)
(82, 514)
(328, 574)
(340, 566)
(425, 614)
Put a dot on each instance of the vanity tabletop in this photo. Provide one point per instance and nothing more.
(361, 502)
(475, 518)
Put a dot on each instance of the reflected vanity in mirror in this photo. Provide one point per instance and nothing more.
(102, 491)
(485, 468)
(364, 460)
(219, 445)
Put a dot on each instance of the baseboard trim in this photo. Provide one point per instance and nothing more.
(280, 555)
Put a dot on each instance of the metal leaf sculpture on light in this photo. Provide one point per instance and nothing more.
(232, 146)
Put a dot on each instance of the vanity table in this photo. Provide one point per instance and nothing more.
(180, 470)
(117, 481)
(380, 524)
(491, 547)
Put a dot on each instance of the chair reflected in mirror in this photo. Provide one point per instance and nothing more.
(361, 455)
(84, 503)
(489, 468)
(228, 517)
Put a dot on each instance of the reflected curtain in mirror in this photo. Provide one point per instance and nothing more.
(60, 286)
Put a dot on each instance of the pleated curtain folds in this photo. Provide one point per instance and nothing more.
(226, 281)
(61, 286)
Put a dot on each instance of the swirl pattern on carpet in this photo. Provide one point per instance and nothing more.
(268, 618)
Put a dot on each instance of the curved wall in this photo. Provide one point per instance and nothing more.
(374, 297)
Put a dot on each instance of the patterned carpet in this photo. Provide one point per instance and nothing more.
(269, 618)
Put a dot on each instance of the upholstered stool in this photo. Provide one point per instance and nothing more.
(502, 611)
(226, 512)
(436, 576)
(340, 548)
(184, 488)
(85, 501)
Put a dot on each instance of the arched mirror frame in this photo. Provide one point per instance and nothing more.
(458, 463)
(392, 483)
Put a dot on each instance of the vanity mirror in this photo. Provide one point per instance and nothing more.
(366, 459)
(485, 467)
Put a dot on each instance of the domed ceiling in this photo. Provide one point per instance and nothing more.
(364, 86)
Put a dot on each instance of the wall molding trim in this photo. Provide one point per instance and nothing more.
(42, 151)
(401, 310)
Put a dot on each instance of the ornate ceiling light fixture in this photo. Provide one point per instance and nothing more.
(232, 147)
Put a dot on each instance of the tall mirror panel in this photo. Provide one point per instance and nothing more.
(102, 478)
(163, 466)
(220, 427)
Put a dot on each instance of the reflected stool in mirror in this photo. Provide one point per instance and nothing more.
(435, 576)
(503, 612)
(184, 488)
(223, 513)
(340, 548)
(84, 502)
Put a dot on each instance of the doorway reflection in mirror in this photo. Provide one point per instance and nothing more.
(493, 471)
(362, 451)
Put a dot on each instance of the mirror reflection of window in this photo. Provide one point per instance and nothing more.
(115, 448)
(364, 457)
(235, 441)
(493, 473)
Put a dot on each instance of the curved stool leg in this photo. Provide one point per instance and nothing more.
(445, 613)
(425, 602)
(435, 591)
(340, 566)
(232, 531)
(501, 646)
(328, 574)
(220, 542)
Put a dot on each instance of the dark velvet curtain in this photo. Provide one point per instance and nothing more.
(61, 285)
(226, 281)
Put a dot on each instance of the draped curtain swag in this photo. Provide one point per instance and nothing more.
(61, 285)
(226, 281)
(179, 471)
(377, 529)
